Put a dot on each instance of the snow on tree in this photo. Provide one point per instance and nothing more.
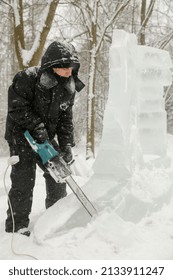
(31, 57)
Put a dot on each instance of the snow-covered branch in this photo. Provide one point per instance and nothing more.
(14, 5)
(31, 57)
(27, 55)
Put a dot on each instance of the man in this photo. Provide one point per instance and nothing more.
(40, 100)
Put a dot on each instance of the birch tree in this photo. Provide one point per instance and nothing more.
(31, 57)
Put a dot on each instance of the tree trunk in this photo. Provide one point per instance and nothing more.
(90, 145)
(43, 36)
(40, 37)
(143, 15)
(19, 34)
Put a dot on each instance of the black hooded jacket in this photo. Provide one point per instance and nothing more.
(37, 95)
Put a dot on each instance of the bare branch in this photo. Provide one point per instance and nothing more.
(166, 41)
(83, 12)
(76, 36)
(104, 9)
(6, 3)
(120, 9)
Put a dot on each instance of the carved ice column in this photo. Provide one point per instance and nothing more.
(117, 118)
(153, 73)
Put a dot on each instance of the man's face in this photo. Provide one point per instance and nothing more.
(63, 72)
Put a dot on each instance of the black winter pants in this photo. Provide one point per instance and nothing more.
(23, 176)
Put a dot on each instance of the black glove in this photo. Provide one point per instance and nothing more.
(67, 153)
(40, 134)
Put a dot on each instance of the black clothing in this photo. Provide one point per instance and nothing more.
(23, 177)
(35, 99)
(37, 95)
(39, 98)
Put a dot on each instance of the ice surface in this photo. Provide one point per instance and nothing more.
(153, 141)
(152, 120)
(151, 105)
(148, 57)
(120, 38)
(154, 75)
(137, 77)
(153, 62)
(150, 92)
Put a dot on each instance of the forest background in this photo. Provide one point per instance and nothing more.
(28, 27)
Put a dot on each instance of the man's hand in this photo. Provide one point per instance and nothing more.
(40, 134)
(67, 153)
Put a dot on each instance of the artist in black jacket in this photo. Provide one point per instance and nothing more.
(40, 100)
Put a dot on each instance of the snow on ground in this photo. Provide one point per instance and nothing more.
(134, 221)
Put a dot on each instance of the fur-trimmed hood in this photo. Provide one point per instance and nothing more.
(59, 53)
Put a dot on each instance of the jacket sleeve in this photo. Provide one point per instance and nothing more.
(65, 127)
(20, 97)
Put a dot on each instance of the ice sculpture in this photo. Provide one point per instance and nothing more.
(135, 118)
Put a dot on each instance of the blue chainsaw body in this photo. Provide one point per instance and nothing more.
(46, 151)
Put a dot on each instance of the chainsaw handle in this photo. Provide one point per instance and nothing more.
(45, 150)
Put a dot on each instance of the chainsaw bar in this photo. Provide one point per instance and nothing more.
(65, 176)
(81, 196)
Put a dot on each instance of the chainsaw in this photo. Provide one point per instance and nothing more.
(59, 170)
